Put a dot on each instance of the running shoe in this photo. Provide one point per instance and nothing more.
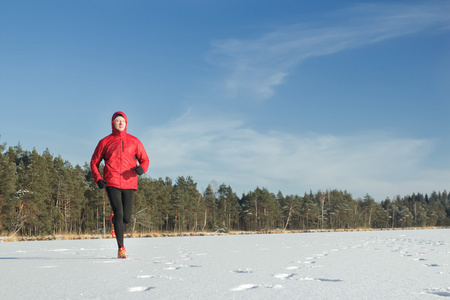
(122, 253)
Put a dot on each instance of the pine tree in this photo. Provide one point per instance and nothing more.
(228, 208)
(210, 208)
(186, 204)
(8, 180)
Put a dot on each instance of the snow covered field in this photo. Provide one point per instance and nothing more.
(410, 264)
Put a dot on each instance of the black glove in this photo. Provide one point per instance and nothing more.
(101, 184)
(139, 170)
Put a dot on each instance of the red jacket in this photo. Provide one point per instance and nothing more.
(121, 152)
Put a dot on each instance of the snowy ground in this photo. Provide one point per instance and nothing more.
(412, 264)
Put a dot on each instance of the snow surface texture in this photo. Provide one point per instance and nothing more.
(412, 264)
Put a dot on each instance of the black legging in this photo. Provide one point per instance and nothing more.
(122, 204)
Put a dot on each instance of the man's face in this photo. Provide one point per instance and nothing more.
(119, 123)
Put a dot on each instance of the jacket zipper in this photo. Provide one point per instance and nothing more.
(121, 159)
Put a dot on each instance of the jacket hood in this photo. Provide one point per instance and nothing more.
(114, 130)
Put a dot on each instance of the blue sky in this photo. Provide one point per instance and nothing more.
(292, 96)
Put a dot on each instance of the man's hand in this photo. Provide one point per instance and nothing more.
(139, 170)
(101, 184)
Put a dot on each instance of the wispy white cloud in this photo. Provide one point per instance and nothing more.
(225, 150)
(257, 66)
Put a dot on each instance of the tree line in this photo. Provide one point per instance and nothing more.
(42, 194)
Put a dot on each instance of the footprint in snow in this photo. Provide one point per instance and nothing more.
(320, 279)
(242, 271)
(309, 262)
(432, 265)
(250, 286)
(439, 292)
(145, 276)
(328, 280)
(284, 276)
(140, 289)
(244, 287)
(419, 259)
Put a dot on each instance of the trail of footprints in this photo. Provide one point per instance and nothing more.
(420, 256)
(396, 245)
(307, 263)
(172, 265)
(168, 265)
(292, 271)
